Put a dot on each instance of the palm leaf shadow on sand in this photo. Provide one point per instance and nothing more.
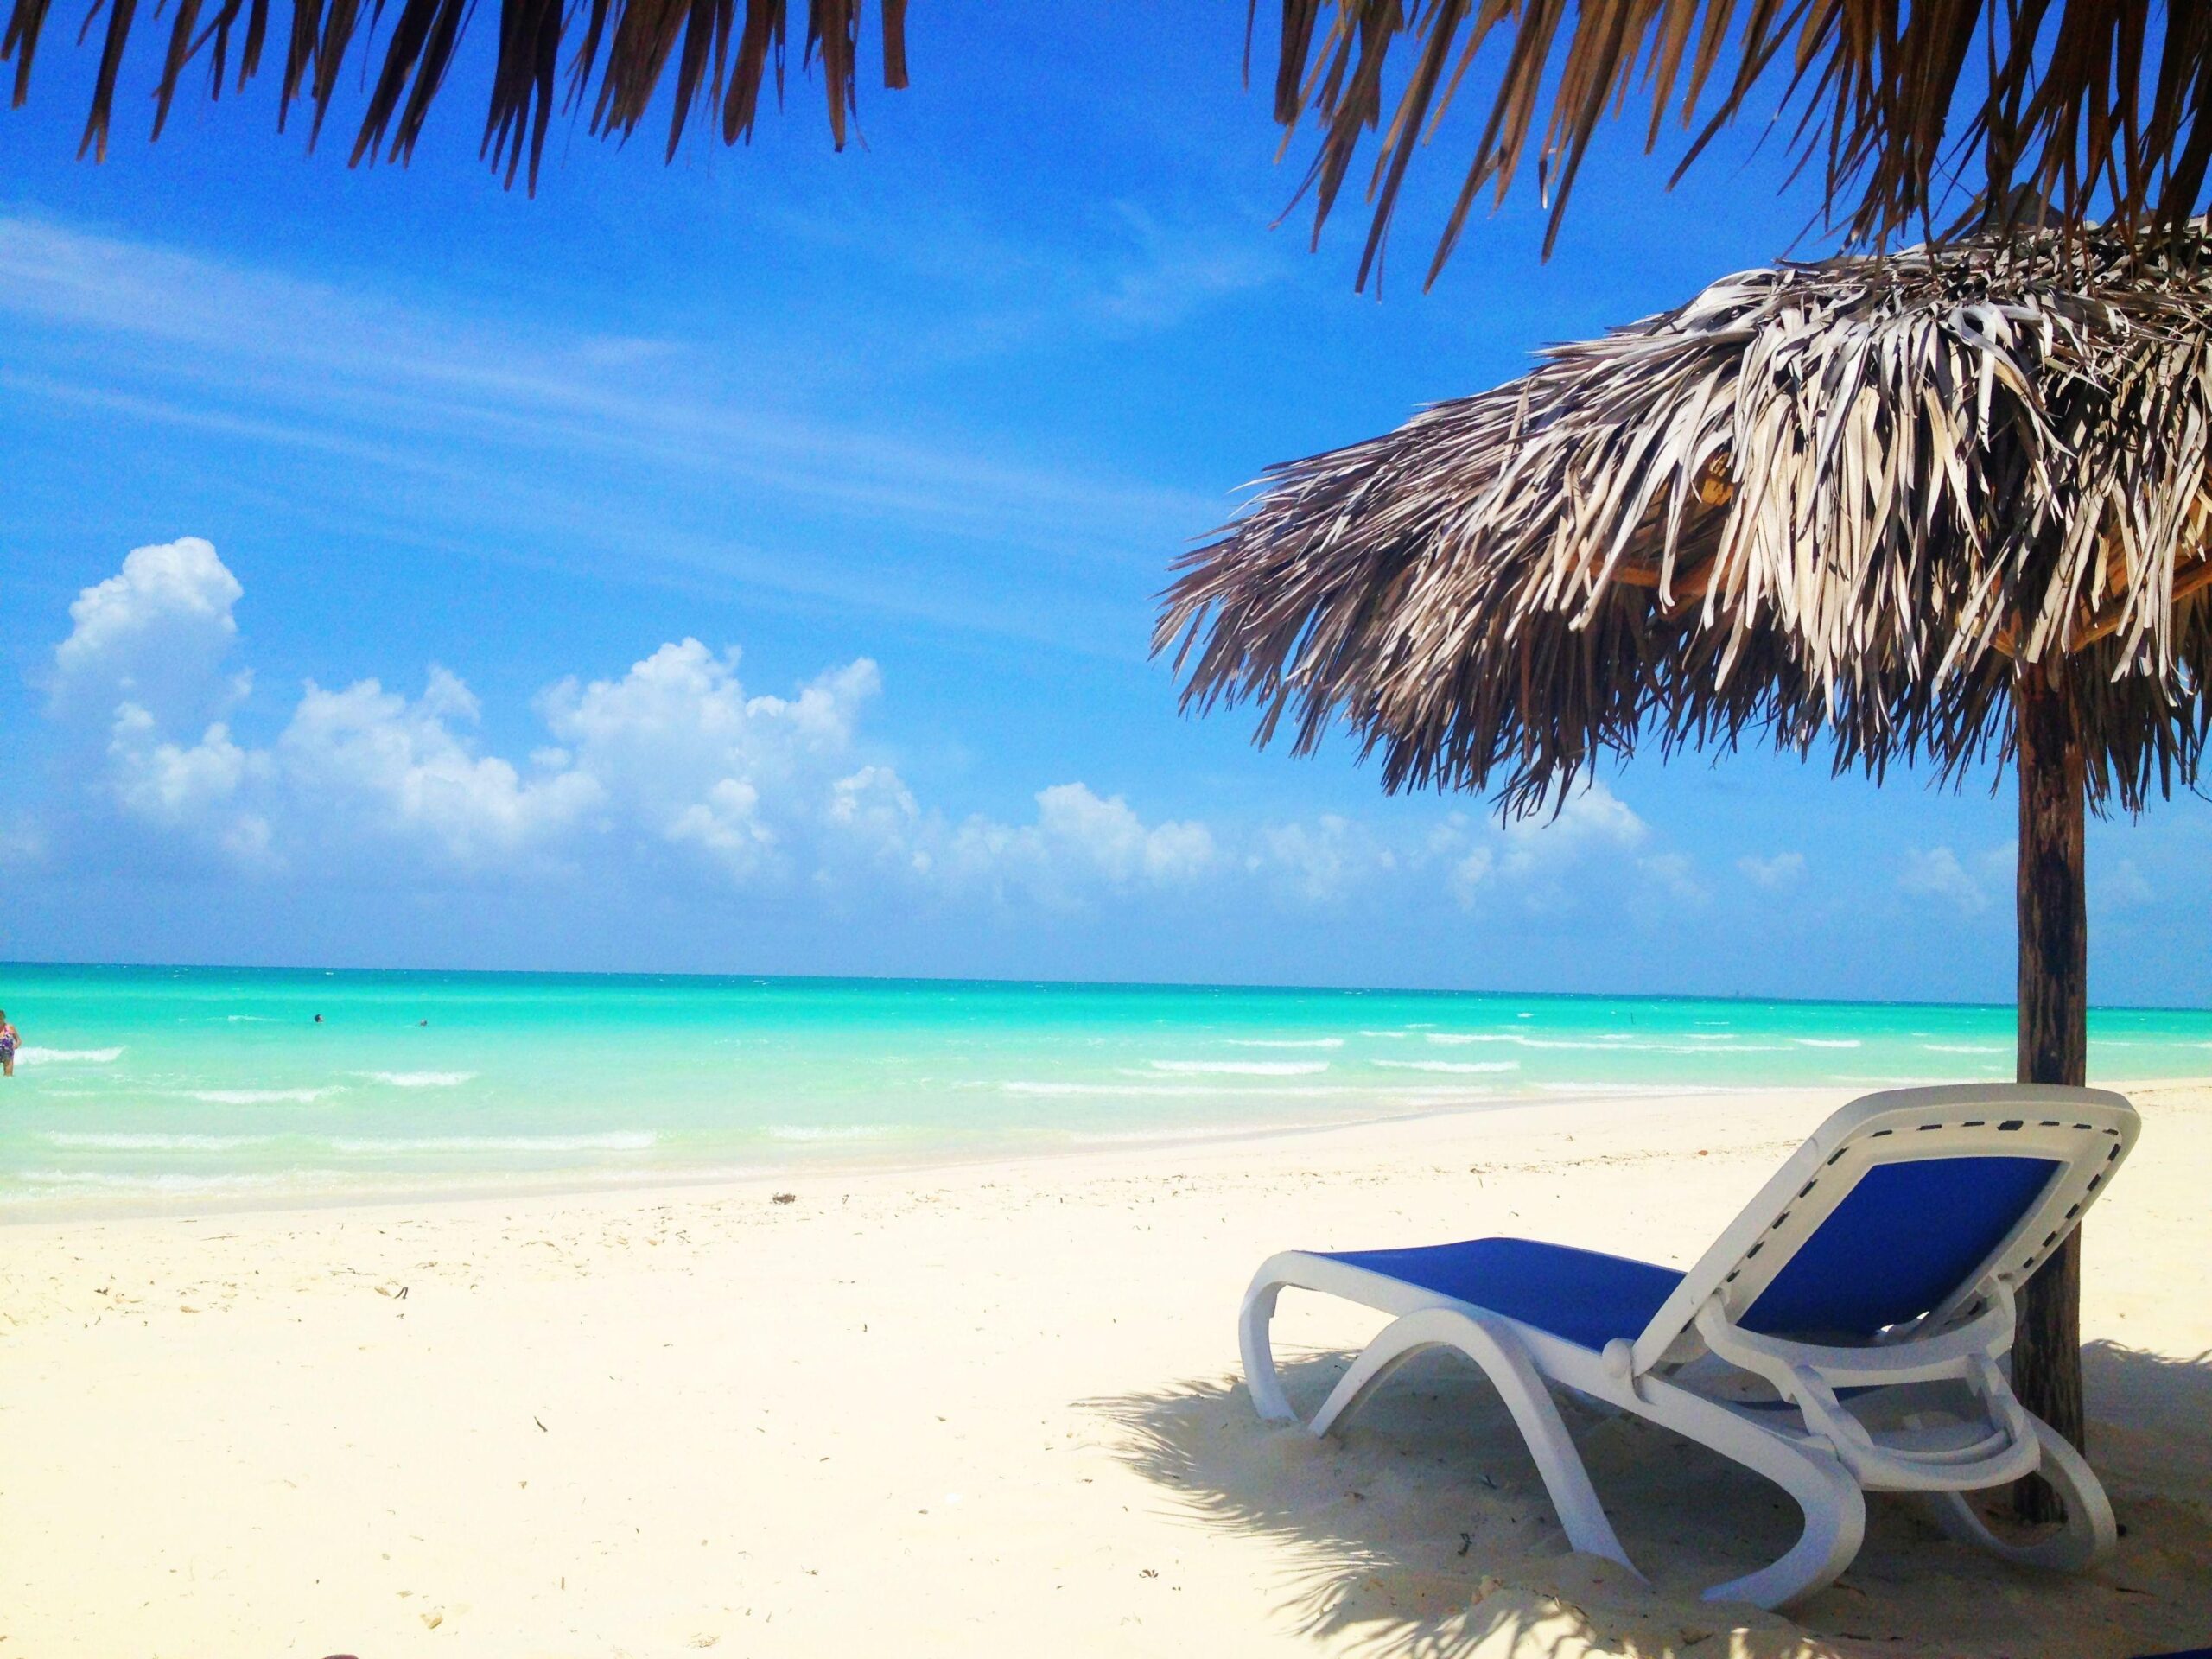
(1388, 1532)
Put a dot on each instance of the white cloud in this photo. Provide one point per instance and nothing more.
(154, 634)
(170, 781)
(681, 751)
(1321, 860)
(1973, 884)
(1469, 872)
(1106, 834)
(1080, 841)
(367, 761)
(1676, 872)
(727, 825)
(876, 816)
(673, 765)
(1774, 874)
(1527, 857)
(1594, 818)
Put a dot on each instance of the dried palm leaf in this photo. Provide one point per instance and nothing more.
(2056, 111)
(2053, 109)
(624, 47)
(1851, 500)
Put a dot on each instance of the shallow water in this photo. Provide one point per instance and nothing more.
(178, 1085)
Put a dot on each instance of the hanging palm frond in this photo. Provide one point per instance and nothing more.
(618, 52)
(2080, 108)
(2083, 108)
(1853, 498)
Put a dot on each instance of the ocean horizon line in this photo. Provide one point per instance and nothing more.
(636, 977)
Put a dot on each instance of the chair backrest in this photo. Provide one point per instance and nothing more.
(1906, 1203)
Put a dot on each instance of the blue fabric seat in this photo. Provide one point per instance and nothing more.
(1906, 1236)
(1583, 1295)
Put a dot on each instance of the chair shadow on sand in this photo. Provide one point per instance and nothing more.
(1388, 1532)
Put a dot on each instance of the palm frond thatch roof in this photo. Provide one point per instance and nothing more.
(1853, 499)
(1904, 109)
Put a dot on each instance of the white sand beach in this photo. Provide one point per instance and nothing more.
(984, 1409)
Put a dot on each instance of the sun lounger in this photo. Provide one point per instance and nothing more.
(1847, 1333)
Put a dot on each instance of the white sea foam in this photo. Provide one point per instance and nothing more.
(1286, 1042)
(1703, 1048)
(169, 1182)
(1455, 1038)
(1607, 1090)
(1177, 1091)
(813, 1132)
(252, 1019)
(1451, 1065)
(1827, 1042)
(620, 1140)
(258, 1096)
(1245, 1068)
(1622, 1044)
(31, 1054)
(1165, 1090)
(1386, 1034)
(152, 1142)
(423, 1079)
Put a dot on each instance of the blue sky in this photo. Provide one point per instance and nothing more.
(747, 565)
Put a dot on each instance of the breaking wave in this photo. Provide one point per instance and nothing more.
(258, 1096)
(1245, 1068)
(622, 1141)
(1454, 1066)
(153, 1143)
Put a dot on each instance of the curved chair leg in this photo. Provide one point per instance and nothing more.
(2089, 1535)
(1507, 1365)
(1829, 1495)
(1252, 1321)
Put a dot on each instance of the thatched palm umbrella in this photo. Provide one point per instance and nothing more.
(1933, 508)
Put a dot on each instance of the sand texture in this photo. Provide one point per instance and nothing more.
(978, 1409)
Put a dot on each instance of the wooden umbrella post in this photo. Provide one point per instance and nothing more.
(2054, 1031)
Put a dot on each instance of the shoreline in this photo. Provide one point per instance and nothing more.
(836, 1167)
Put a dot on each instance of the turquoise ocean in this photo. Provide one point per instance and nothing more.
(183, 1087)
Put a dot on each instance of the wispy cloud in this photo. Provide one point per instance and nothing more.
(520, 411)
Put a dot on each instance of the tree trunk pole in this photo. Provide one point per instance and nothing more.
(2054, 1032)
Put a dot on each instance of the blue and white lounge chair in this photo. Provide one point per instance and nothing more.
(1843, 1336)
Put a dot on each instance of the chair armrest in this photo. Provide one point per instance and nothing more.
(1948, 1353)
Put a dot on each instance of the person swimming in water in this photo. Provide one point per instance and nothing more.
(9, 1037)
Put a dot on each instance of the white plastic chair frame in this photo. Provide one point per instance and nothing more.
(1939, 1419)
